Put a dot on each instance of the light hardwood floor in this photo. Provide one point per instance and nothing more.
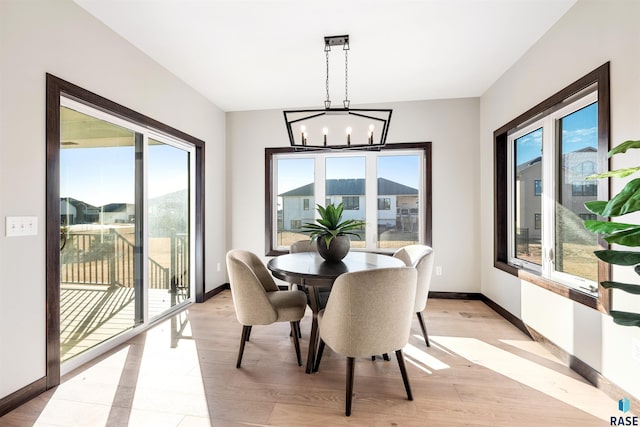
(479, 371)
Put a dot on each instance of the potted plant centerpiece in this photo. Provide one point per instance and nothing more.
(331, 232)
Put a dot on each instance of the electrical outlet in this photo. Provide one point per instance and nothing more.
(438, 270)
(21, 226)
(218, 267)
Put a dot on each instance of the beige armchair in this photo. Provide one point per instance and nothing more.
(258, 301)
(303, 246)
(421, 258)
(369, 312)
(310, 246)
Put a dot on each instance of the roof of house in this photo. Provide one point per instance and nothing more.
(76, 203)
(354, 187)
(115, 207)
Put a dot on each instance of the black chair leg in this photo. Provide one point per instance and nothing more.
(246, 330)
(319, 356)
(349, 393)
(403, 371)
(424, 329)
(295, 332)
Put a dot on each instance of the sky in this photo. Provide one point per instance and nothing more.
(579, 131)
(104, 175)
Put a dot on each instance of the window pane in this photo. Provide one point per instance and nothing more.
(296, 202)
(579, 147)
(398, 217)
(168, 226)
(98, 274)
(528, 197)
(345, 183)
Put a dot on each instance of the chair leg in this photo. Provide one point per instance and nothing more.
(246, 330)
(403, 371)
(295, 331)
(319, 356)
(424, 329)
(349, 392)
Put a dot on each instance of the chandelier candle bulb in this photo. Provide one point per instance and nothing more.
(325, 131)
(349, 136)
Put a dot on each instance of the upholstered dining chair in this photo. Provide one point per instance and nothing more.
(421, 258)
(368, 312)
(257, 300)
(303, 246)
(309, 246)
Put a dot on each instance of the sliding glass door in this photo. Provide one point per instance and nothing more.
(168, 225)
(125, 226)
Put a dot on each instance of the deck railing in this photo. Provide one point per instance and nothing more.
(108, 259)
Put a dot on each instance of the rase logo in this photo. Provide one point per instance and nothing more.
(624, 406)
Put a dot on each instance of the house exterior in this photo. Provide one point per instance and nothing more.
(397, 203)
(117, 213)
(574, 192)
(73, 211)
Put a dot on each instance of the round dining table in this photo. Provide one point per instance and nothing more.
(311, 270)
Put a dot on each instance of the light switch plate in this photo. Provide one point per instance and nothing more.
(21, 226)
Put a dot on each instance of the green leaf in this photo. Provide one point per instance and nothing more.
(596, 206)
(622, 148)
(606, 227)
(627, 201)
(624, 318)
(618, 257)
(626, 238)
(627, 287)
(620, 173)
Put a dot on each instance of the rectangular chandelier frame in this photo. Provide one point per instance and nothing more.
(381, 117)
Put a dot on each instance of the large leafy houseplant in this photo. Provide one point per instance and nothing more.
(625, 202)
(330, 224)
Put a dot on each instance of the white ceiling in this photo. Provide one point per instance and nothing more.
(259, 54)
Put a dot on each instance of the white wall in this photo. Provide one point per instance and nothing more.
(451, 126)
(590, 34)
(58, 37)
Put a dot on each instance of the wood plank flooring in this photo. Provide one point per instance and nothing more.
(479, 371)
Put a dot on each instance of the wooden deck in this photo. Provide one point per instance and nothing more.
(91, 314)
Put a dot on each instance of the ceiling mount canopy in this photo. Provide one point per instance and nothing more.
(338, 128)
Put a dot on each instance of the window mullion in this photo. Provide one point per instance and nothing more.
(320, 183)
(371, 200)
(549, 178)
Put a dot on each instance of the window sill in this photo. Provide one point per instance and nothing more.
(553, 286)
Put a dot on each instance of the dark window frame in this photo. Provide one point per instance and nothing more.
(351, 203)
(386, 203)
(55, 88)
(600, 77)
(537, 187)
(269, 194)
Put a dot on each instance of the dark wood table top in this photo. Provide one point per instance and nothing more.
(310, 265)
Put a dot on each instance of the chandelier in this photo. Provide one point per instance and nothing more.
(338, 128)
